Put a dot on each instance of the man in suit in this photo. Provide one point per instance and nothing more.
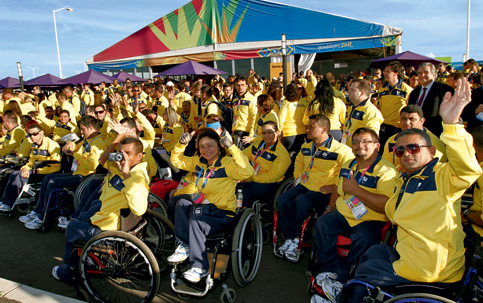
(474, 108)
(428, 95)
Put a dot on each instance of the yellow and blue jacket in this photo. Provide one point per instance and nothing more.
(12, 140)
(273, 161)
(290, 117)
(392, 100)
(87, 153)
(244, 113)
(220, 187)
(365, 114)
(270, 116)
(337, 117)
(426, 208)
(171, 136)
(49, 150)
(379, 179)
(61, 130)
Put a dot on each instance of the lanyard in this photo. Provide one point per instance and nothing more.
(88, 144)
(363, 172)
(314, 151)
(259, 152)
(206, 179)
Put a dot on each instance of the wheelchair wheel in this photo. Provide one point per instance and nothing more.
(118, 267)
(418, 297)
(286, 185)
(82, 186)
(224, 297)
(246, 248)
(157, 204)
(158, 235)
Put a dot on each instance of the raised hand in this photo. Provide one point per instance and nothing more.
(185, 138)
(452, 106)
(225, 141)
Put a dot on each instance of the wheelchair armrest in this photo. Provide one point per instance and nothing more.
(40, 164)
(129, 220)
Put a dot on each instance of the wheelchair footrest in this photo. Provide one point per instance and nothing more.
(184, 287)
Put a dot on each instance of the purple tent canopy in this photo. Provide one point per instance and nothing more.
(406, 58)
(122, 76)
(45, 80)
(9, 82)
(90, 76)
(191, 68)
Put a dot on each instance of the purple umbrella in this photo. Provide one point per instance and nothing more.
(90, 76)
(45, 80)
(406, 58)
(9, 82)
(191, 68)
(122, 76)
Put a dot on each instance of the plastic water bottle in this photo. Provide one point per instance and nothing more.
(239, 199)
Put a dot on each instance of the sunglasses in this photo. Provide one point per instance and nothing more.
(412, 148)
(34, 134)
(99, 112)
(136, 90)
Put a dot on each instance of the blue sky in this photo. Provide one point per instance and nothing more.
(431, 27)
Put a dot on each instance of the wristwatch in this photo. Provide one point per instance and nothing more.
(466, 212)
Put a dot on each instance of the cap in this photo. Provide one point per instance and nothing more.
(170, 83)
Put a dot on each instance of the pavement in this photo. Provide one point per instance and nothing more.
(27, 257)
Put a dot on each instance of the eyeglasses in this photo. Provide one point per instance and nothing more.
(99, 112)
(412, 148)
(142, 108)
(34, 134)
(364, 142)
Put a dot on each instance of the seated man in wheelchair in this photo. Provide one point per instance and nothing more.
(212, 208)
(270, 160)
(425, 207)
(43, 149)
(126, 187)
(365, 185)
(317, 164)
(15, 134)
(86, 157)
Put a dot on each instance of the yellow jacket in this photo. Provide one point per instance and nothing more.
(61, 130)
(391, 101)
(73, 114)
(48, 151)
(189, 187)
(477, 199)
(76, 103)
(87, 97)
(118, 194)
(25, 147)
(244, 113)
(12, 140)
(273, 162)
(337, 117)
(363, 115)
(328, 160)
(188, 122)
(220, 187)
(87, 153)
(426, 208)
(379, 179)
(311, 85)
(290, 117)
(171, 136)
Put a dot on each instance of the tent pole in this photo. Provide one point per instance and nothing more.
(284, 62)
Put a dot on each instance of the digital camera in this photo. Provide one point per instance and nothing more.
(113, 157)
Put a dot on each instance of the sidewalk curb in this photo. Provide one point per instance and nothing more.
(26, 294)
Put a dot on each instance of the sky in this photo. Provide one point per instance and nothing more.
(431, 27)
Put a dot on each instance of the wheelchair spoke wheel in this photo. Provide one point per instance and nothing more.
(82, 185)
(286, 185)
(418, 297)
(118, 267)
(158, 235)
(247, 248)
(157, 204)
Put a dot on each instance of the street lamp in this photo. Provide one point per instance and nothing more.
(468, 32)
(33, 69)
(57, 39)
(20, 74)
(284, 61)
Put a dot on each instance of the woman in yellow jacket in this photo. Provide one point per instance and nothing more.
(290, 118)
(172, 129)
(212, 208)
(265, 113)
(270, 161)
(327, 104)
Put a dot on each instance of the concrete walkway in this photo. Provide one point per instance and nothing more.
(25, 294)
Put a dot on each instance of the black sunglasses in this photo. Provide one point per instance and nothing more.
(34, 134)
(412, 148)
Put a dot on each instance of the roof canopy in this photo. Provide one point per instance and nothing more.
(45, 80)
(191, 68)
(406, 58)
(122, 76)
(90, 76)
(9, 82)
(206, 30)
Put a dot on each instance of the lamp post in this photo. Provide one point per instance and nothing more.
(33, 69)
(284, 61)
(468, 32)
(56, 38)
(20, 75)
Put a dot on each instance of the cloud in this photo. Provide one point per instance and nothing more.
(430, 55)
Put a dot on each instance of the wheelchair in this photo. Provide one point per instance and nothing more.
(243, 243)
(125, 265)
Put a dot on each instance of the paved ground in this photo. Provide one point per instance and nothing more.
(27, 257)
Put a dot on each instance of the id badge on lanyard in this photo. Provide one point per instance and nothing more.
(353, 203)
(199, 198)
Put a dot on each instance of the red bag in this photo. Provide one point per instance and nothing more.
(161, 187)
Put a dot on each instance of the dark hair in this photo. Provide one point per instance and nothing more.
(411, 109)
(478, 137)
(24, 119)
(324, 97)
(292, 94)
(322, 120)
(265, 101)
(138, 145)
(131, 123)
(272, 123)
(276, 84)
(366, 130)
(10, 116)
(89, 121)
(413, 73)
(36, 126)
(209, 133)
(396, 67)
(181, 85)
(363, 85)
(65, 112)
(415, 131)
(241, 78)
(208, 91)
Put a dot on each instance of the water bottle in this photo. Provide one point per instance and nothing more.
(239, 199)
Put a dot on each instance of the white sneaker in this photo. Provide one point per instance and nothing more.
(62, 219)
(195, 275)
(28, 218)
(282, 249)
(323, 276)
(181, 253)
(331, 289)
(63, 222)
(292, 253)
(4, 207)
(35, 224)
